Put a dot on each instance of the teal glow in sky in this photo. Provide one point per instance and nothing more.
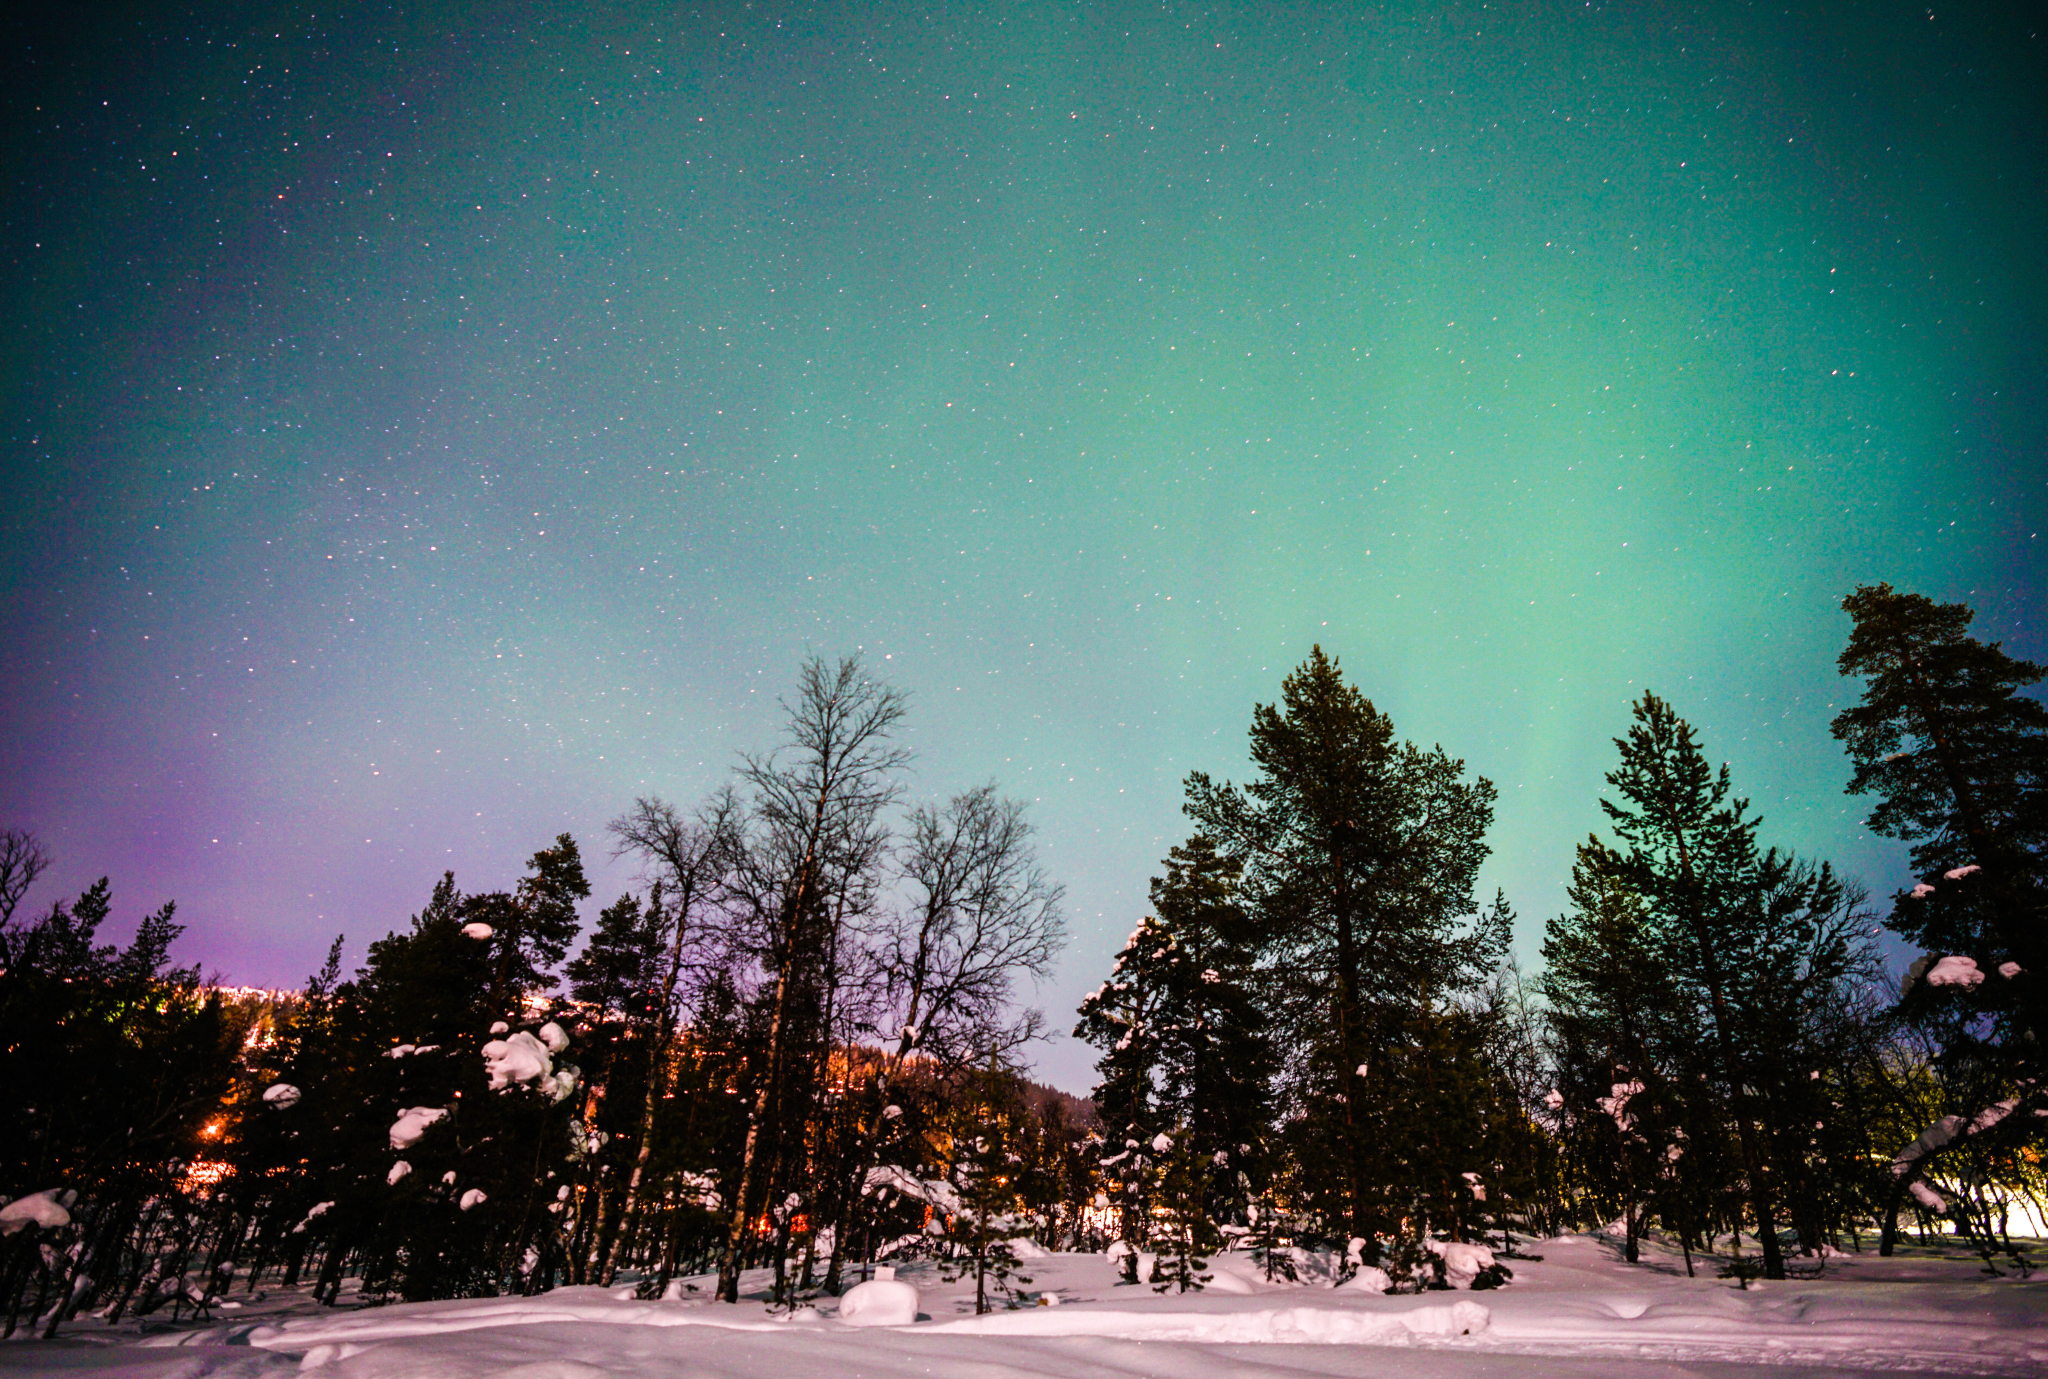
(423, 434)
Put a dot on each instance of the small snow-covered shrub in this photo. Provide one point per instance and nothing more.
(1368, 1278)
(883, 1300)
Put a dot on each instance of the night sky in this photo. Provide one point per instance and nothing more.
(428, 428)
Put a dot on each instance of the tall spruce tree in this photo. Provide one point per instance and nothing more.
(1618, 1029)
(1957, 754)
(1123, 1017)
(1186, 1043)
(1217, 1060)
(1730, 926)
(1359, 854)
(531, 928)
(1949, 738)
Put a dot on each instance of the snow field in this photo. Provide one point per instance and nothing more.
(1579, 1311)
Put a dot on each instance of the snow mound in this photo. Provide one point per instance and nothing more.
(883, 1300)
(1370, 1278)
(1229, 1282)
(1269, 1326)
(1462, 1262)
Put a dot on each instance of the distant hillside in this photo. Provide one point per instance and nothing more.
(1080, 1110)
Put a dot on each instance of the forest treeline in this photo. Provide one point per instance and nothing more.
(797, 1046)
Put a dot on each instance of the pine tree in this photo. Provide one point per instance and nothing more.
(986, 1175)
(1729, 925)
(1957, 754)
(1122, 1017)
(1216, 1061)
(1615, 1017)
(1943, 735)
(1186, 1234)
(1359, 855)
(1272, 1229)
(531, 928)
(618, 968)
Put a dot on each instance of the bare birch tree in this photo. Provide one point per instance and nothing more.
(980, 913)
(812, 807)
(685, 859)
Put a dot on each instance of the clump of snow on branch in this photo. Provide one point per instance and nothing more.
(515, 1059)
(1928, 1197)
(1616, 1103)
(521, 1058)
(1934, 1137)
(1955, 971)
(935, 1194)
(413, 1123)
(701, 1189)
(45, 1209)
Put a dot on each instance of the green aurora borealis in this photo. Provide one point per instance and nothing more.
(428, 428)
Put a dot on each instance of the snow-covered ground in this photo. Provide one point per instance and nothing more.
(1578, 1312)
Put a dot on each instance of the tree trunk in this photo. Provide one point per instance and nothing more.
(765, 1099)
(1752, 1158)
(1350, 1019)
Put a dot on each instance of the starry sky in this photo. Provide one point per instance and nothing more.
(427, 428)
